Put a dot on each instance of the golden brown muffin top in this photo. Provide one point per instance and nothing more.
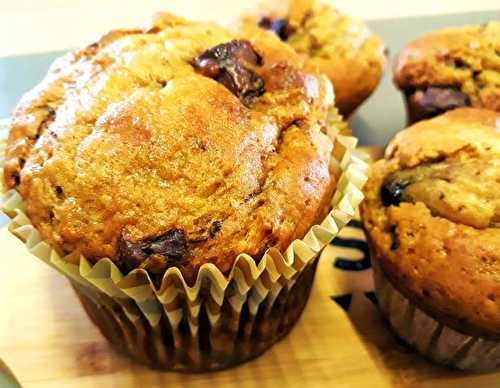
(432, 216)
(340, 46)
(177, 144)
(465, 60)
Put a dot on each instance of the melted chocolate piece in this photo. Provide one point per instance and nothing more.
(279, 26)
(214, 228)
(154, 254)
(424, 104)
(16, 178)
(460, 64)
(230, 64)
(392, 191)
(394, 238)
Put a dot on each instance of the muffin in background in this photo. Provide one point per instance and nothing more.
(174, 173)
(432, 221)
(337, 45)
(450, 68)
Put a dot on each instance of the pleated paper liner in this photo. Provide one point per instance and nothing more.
(7, 378)
(220, 320)
(429, 337)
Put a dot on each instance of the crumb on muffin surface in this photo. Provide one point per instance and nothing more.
(176, 144)
(432, 215)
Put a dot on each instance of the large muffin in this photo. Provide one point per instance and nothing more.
(450, 68)
(174, 145)
(177, 174)
(337, 45)
(432, 218)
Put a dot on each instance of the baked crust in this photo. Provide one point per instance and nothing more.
(126, 142)
(439, 244)
(337, 45)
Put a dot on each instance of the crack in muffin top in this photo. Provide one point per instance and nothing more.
(175, 144)
(432, 216)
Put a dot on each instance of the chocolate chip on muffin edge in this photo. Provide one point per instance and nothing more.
(170, 248)
(432, 101)
(280, 26)
(231, 65)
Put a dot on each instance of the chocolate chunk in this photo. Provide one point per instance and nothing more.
(279, 26)
(214, 228)
(16, 178)
(59, 192)
(460, 63)
(164, 251)
(230, 64)
(131, 254)
(171, 244)
(392, 191)
(424, 104)
(394, 238)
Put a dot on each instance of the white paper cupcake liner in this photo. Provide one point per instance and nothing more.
(431, 338)
(7, 378)
(220, 320)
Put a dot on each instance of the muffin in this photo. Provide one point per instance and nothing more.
(432, 218)
(450, 68)
(337, 45)
(169, 171)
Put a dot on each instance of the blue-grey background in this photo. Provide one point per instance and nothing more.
(377, 120)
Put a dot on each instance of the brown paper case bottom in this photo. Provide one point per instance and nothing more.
(432, 339)
(236, 337)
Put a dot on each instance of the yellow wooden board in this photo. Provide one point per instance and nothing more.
(47, 340)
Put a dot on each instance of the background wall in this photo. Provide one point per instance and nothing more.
(34, 32)
(28, 26)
